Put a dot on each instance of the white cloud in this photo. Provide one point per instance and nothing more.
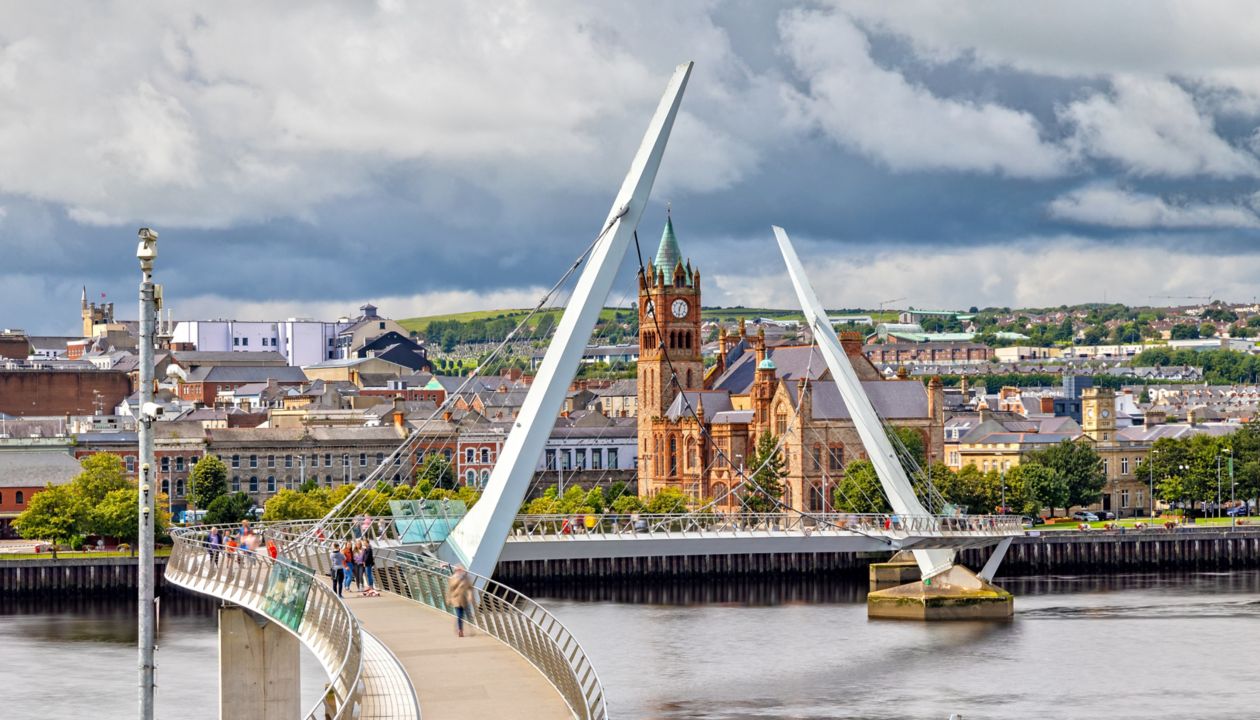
(1103, 204)
(181, 114)
(879, 113)
(204, 307)
(1152, 127)
(1030, 272)
(1076, 37)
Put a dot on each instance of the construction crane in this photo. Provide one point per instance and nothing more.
(882, 303)
(1206, 299)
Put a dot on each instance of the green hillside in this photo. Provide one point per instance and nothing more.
(419, 324)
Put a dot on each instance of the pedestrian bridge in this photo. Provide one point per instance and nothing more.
(378, 651)
(566, 537)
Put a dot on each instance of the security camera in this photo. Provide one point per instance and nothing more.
(146, 250)
(152, 411)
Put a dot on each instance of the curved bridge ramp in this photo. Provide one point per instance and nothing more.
(365, 680)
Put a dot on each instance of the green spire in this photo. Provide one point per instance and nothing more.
(668, 255)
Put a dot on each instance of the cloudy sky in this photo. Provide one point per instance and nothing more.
(299, 159)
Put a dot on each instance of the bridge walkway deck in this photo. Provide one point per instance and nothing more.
(469, 677)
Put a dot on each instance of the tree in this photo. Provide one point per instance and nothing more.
(437, 471)
(102, 474)
(1043, 486)
(207, 481)
(1080, 465)
(117, 515)
(1184, 331)
(228, 509)
(595, 499)
(764, 485)
(859, 490)
(626, 504)
(295, 505)
(574, 501)
(971, 489)
(912, 440)
(1207, 330)
(56, 514)
(666, 501)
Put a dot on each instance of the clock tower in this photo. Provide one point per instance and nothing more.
(669, 336)
(1098, 414)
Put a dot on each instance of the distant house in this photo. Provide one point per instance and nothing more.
(23, 473)
(204, 384)
(397, 348)
(367, 371)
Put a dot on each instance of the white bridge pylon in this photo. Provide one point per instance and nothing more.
(892, 476)
(478, 539)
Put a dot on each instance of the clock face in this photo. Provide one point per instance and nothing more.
(680, 308)
(649, 309)
(1106, 413)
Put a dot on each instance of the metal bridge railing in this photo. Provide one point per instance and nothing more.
(508, 616)
(595, 526)
(327, 627)
(501, 612)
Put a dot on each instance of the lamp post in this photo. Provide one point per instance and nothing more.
(146, 253)
(1003, 491)
(1150, 467)
(1185, 502)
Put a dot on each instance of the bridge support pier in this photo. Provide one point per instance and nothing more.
(956, 594)
(900, 569)
(259, 674)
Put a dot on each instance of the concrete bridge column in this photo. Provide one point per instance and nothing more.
(258, 668)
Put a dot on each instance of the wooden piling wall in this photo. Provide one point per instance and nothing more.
(1051, 552)
(69, 574)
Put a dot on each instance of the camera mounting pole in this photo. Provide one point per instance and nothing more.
(146, 253)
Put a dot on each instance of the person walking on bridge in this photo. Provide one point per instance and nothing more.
(459, 596)
(338, 560)
(347, 556)
(215, 545)
(357, 558)
(369, 562)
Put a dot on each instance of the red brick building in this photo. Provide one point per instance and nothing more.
(25, 472)
(36, 390)
(931, 353)
(205, 382)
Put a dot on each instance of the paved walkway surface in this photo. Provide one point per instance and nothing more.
(458, 678)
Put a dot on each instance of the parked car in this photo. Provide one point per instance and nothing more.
(1239, 511)
(1105, 515)
(1084, 516)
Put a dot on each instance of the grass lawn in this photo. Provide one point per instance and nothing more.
(1157, 522)
(76, 555)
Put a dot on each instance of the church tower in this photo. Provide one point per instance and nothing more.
(669, 338)
(93, 314)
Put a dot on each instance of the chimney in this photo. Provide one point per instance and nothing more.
(851, 342)
(446, 416)
(936, 400)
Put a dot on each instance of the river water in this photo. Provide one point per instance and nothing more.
(1135, 646)
(77, 658)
